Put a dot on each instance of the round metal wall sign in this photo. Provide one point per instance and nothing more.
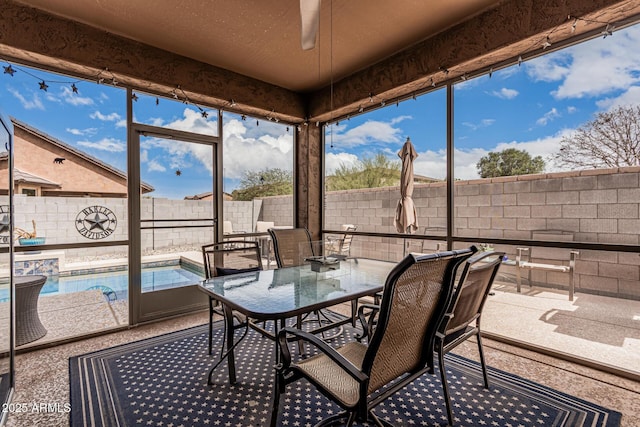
(96, 222)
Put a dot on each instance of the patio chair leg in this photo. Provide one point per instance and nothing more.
(210, 325)
(339, 419)
(482, 362)
(354, 312)
(377, 421)
(275, 408)
(445, 387)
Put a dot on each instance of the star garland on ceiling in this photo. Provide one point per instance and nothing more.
(106, 76)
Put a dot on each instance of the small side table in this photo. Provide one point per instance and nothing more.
(28, 325)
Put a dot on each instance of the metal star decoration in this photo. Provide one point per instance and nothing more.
(204, 114)
(178, 172)
(97, 222)
(9, 70)
(134, 97)
(44, 86)
(74, 88)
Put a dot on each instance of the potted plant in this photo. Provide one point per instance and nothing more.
(26, 238)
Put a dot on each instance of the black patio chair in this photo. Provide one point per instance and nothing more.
(462, 320)
(292, 246)
(417, 293)
(223, 259)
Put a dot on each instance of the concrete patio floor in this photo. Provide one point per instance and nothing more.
(42, 375)
(602, 329)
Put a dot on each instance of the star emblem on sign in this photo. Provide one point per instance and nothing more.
(96, 222)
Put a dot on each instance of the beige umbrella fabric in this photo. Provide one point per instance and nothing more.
(406, 220)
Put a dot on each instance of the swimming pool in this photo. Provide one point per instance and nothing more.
(153, 279)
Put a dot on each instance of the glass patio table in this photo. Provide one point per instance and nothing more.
(276, 295)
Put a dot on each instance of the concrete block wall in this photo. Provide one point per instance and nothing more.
(600, 206)
(55, 220)
(278, 209)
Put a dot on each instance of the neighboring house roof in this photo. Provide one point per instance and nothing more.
(27, 178)
(146, 188)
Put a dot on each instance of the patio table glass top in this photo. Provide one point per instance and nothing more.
(286, 292)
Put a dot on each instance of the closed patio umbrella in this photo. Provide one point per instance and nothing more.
(406, 220)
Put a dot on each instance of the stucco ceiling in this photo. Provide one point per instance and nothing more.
(261, 39)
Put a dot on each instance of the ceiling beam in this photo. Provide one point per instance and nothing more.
(33, 37)
(495, 37)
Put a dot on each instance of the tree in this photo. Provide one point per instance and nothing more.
(611, 139)
(267, 182)
(379, 171)
(509, 162)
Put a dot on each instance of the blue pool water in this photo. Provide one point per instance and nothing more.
(153, 279)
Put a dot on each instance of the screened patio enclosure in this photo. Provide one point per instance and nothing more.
(190, 56)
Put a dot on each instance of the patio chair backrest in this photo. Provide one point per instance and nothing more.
(227, 227)
(230, 257)
(291, 246)
(415, 299)
(471, 293)
(345, 242)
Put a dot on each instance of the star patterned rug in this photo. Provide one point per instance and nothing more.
(162, 381)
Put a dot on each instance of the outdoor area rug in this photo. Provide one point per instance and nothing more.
(162, 381)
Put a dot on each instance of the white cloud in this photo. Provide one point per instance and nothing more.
(630, 97)
(113, 117)
(400, 119)
(155, 166)
(549, 68)
(549, 116)
(245, 153)
(193, 121)
(505, 93)
(121, 123)
(105, 144)
(246, 147)
(596, 68)
(73, 98)
(156, 121)
(52, 98)
(483, 124)
(144, 156)
(334, 160)
(370, 132)
(433, 163)
(33, 104)
(571, 109)
(82, 132)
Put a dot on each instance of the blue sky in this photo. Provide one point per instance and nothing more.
(529, 107)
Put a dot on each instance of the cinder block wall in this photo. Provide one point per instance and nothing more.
(278, 209)
(585, 206)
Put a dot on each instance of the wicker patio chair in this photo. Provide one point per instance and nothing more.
(462, 320)
(222, 259)
(416, 295)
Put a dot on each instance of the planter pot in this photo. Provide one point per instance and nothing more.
(33, 241)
